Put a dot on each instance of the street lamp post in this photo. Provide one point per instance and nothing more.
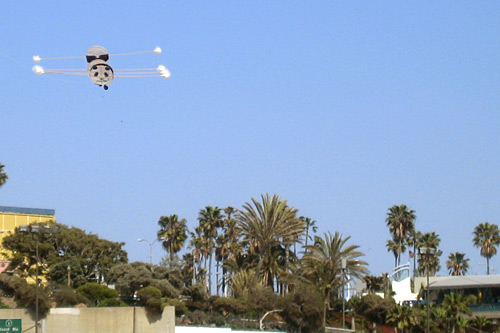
(427, 252)
(344, 267)
(150, 247)
(194, 271)
(35, 229)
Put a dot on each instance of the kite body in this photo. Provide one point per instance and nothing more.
(98, 69)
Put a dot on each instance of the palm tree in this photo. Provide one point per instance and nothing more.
(487, 237)
(402, 317)
(210, 219)
(268, 224)
(463, 324)
(480, 322)
(440, 318)
(3, 175)
(457, 264)
(197, 244)
(242, 282)
(374, 283)
(322, 264)
(401, 223)
(237, 258)
(173, 232)
(310, 225)
(225, 244)
(273, 268)
(455, 305)
(430, 261)
(230, 211)
(396, 248)
(414, 241)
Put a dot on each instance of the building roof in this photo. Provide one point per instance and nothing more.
(464, 282)
(32, 211)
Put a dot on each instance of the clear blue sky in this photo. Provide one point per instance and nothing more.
(344, 108)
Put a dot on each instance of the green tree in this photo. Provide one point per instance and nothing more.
(268, 224)
(173, 232)
(401, 223)
(322, 265)
(70, 269)
(129, 278)
(457, 264)
(88, 255)
(487, 237)
(3, 175)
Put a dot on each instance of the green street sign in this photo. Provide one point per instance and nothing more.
(11, 325)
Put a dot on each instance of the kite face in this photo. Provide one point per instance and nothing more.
(100, 72)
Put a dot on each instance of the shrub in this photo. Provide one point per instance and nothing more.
(374, 307)
(167, 290)
(180, 306)
(262, 299)
(10, 284)
(216, 318)
(148, 293)
(116, 302)
(302, 309)
(97, 293)
(68, 297)
(197, 293)
(227, 305)
(197, 317)
(26, 297)
(150, 297)
(154, 306)
(24, 294)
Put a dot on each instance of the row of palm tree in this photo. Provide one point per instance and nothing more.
(453, 314)
(262, 233)
(256, 246)
(259, 238)
(401, 223)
